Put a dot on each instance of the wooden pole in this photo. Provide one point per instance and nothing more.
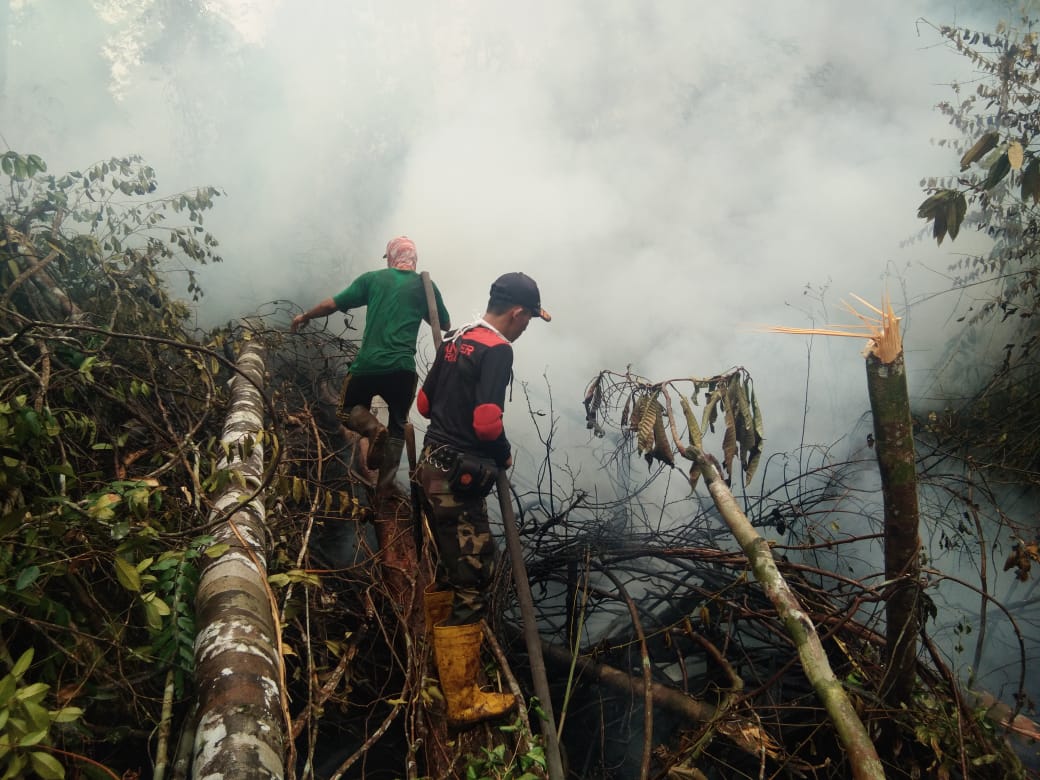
(894, 436)
(431, 304)
(413, 459)
(531, 636)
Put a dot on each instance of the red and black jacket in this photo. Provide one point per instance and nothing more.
(465, 391)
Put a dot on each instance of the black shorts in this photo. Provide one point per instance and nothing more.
(396, 388)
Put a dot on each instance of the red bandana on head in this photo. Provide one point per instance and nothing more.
(400, 254)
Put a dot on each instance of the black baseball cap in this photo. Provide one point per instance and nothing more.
(520, 290)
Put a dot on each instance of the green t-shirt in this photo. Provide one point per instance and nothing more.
(396, 302)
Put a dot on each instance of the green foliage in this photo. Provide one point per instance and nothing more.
(996, 191)
(165, 589)
(500, 763)
(110, 408)
(24, 433)
(27, 726)
(19, 167)
(999, 178)
(937, 726)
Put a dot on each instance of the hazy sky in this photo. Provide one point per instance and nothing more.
(671, 173)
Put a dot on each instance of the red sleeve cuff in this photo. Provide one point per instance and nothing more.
(487, 422)
(422, 403)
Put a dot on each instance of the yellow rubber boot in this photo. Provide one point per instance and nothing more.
(362, 421)
(457, 653)
(436, 607)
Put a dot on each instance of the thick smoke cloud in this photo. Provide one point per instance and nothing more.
(672, 174)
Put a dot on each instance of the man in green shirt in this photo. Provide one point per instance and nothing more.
(385, 363)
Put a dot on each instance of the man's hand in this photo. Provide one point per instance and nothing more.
(323, 309)
(509, 462)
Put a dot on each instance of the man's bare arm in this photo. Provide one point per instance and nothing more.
(323, 309)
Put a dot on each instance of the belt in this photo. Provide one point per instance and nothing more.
(440, 456)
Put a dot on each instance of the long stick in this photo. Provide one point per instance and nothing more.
(435, 326)
(431, 304)
(531, 637)
(409, 445)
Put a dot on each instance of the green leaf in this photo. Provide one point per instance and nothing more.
(305, 577)
(997, 171)
(21, 666)
(65, 714)
(62, 468)
(32, 693)
(537, 754)
(7, 689)
(14, 769)
(32, 738)
(216, 550)
(127, 574)
(27, 577)
(46, 765)
(152, 616)
(101, 508)
(40, 718)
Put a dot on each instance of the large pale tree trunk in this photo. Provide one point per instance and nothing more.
(238, 665)
(893, 432)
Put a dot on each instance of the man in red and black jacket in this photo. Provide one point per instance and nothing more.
(463, 396)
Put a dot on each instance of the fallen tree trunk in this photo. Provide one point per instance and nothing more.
(238, 664)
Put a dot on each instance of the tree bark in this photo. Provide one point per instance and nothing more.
(893, 434)
(238, 664)
(863, 756)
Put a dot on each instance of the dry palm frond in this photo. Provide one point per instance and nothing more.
(881, 331)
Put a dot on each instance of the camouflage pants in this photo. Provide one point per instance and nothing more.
(467, 551)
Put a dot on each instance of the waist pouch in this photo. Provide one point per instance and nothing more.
(472, 476)
(468, 476)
